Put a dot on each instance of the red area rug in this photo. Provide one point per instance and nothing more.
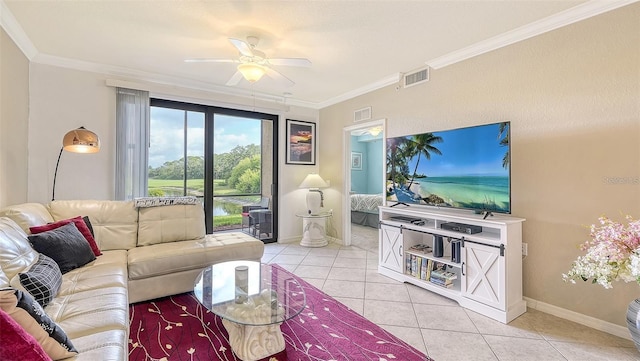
(179, 328)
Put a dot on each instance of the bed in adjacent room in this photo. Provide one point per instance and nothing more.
(364, 209)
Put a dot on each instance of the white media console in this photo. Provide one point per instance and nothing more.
(485, 276)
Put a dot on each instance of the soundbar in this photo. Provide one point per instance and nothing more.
(461, 227)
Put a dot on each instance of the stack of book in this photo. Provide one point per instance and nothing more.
(421, 248)
(443, 278)
(418, 267)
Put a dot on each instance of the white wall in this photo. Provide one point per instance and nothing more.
(14, 122)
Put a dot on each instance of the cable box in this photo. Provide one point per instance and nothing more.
(405, 219)
(461, 227)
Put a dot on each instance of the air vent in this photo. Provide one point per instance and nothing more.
(362, 114)
(415, 77)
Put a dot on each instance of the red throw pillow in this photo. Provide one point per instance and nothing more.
(82, 227)
(18, 344)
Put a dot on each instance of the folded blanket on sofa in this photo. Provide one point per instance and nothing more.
(144, 202)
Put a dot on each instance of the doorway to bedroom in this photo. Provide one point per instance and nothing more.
(364, 183)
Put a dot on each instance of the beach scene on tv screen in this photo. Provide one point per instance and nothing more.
(461, 168)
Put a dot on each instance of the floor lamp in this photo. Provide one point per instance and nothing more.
(78, 140)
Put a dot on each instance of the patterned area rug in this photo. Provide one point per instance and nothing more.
(179, 328)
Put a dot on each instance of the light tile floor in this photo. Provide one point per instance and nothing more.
(436, 325)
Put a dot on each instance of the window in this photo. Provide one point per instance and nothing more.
(225, 157)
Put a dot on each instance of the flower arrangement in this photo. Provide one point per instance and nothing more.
(613, 253)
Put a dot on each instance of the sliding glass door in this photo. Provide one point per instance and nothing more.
(226, 157)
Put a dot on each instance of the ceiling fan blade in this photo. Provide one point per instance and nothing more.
(242, 46)
(235, 79)
(208, 60)
(303, 62)
(275, 75)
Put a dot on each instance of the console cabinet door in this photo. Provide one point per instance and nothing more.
(391, 254)
(483, 277)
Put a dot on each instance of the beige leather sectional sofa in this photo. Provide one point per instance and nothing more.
(146, 253)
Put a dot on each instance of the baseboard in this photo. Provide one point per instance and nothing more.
(296, 239)
(589, 321)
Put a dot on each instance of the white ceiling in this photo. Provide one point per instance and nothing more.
(355, 46)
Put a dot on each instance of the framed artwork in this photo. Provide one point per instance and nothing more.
(301, 142)
(356, 161)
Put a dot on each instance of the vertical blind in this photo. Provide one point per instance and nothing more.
(132, 143)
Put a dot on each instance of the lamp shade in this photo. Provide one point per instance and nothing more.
(251, 71)
(313, 181)
(81, 140)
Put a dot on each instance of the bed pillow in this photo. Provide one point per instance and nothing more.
(65, 245)
(84, 226)
(31, 316)
(42, 280)
(18, 344)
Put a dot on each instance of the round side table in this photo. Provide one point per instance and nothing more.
(314, 231)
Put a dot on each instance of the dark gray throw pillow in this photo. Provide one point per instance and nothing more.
(42, 280)
(65, 245)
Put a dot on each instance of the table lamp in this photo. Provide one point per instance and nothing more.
(315, 197)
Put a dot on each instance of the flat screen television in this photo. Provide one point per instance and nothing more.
(467, 168)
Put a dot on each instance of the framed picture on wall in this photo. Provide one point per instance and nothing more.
(356, 161)
(301, 142)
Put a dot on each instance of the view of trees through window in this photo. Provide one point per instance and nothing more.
(177, 160)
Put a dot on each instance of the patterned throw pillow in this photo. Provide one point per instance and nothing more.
(65, 245)
(31, 316)
(82, 223)
(42, 280)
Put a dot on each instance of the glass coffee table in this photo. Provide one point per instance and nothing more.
(252, 319)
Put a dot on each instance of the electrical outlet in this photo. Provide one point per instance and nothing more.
(525, 249)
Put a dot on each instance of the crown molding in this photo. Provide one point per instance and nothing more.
(390, 80)
(15, 32)
(575, 14)
(139, 76)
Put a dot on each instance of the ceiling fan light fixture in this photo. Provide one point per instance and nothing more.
(251, 71)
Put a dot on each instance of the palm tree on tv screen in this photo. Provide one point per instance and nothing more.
(503, 128)
(397, 167)
(421, 144)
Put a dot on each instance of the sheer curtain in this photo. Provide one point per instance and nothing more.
(132, 143)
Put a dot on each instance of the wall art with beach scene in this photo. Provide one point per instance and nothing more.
(459, 168)
(301, 142)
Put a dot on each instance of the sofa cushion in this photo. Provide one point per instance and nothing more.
(87, 312)
(102, 345)
(42, 280)
(80, 223)
(165, 258)
(17, 343)
(115, 223)
(170, 223)
(27, 215)
(30, 315)
(65, 245)
(17, 254)
(108, 270)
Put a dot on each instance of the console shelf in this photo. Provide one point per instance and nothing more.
(486, 267)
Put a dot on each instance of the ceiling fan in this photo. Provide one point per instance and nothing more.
(253, 64)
